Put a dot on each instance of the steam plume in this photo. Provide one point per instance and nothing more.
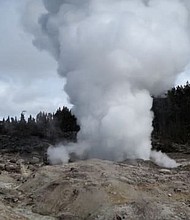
(114, 54)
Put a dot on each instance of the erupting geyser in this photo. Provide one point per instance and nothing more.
(114, 54)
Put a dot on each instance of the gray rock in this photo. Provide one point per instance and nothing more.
(35, 160)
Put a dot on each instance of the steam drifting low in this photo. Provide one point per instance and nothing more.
(114, 54)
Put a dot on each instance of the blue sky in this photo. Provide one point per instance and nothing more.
(28, 77)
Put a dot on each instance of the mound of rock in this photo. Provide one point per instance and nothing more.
(93, 190)
(104, 190)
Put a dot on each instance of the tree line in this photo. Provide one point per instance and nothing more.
(61, 124)
(172, 115)
(171, 120)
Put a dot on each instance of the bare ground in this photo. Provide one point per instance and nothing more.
(93, 189)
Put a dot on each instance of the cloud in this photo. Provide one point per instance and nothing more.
(184, 76)
(28, 78)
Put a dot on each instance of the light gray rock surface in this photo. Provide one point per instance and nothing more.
(96, 189)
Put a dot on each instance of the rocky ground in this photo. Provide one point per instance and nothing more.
(93, 189)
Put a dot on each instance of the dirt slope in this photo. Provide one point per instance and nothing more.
(96, 189)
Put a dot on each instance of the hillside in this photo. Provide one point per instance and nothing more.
(93, 189)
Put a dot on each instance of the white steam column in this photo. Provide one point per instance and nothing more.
(114, 54)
